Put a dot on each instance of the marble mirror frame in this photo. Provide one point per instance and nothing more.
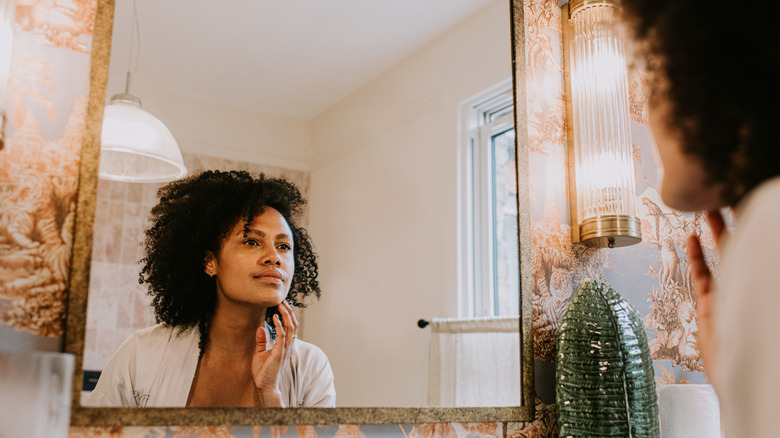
(81, 261)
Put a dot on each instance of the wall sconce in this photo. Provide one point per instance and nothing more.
(7, 14)
(601, 163)
(135, 146)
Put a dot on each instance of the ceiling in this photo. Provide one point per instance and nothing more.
(288, 57)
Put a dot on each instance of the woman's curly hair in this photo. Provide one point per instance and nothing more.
(190, 221)
(719, 65)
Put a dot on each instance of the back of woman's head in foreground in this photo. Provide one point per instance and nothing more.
(190, 221)
(716, 64)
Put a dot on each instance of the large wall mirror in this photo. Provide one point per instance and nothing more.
(365, 107)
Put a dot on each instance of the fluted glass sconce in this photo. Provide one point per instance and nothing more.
(601, 162)
(7, 14)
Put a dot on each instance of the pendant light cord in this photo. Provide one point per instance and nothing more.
(135, 34)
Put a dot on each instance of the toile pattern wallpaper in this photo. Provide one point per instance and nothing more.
(38, 177)
(47, 102)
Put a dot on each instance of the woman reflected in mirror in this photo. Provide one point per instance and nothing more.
(225, 262)
(713, 93)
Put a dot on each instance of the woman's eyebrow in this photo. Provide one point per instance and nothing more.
(262, 234)
(255, 232)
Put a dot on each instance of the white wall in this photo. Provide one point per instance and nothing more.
(209, 128)
(383, 211)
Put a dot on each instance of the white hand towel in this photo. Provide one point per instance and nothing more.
(689, 411)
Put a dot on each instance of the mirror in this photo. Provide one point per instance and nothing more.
(405, 190)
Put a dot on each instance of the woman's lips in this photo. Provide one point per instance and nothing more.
(270, 276)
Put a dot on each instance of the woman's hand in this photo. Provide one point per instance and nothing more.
(703, 281)
(267, 364)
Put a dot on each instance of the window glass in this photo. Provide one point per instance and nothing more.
(506, 272)
(490, 279)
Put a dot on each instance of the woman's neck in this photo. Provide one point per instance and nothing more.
(233, 331)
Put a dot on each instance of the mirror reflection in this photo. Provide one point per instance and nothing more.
(374, 113)
(221, 255)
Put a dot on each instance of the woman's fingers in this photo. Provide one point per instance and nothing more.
(261, 342)
(293, 319)
(717, 225)
(701, 273)
(266, 365)
(702, 276)
(290, 323)
(702, 279)
(280, 333)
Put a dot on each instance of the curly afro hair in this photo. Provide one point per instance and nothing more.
(719, 65)
(192, 218)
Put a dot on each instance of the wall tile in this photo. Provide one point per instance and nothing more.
(134, 192)
(117, 190)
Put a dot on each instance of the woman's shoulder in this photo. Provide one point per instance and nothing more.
(763, 199)
(308, 351)
(157, 334)
(748, 253)
(310, 358)
(313, 376)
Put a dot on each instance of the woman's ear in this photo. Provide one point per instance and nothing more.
(210, 264)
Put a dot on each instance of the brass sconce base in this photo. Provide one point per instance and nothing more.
(611, 231)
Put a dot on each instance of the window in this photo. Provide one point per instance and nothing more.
(488, 249)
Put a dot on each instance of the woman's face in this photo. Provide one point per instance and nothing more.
(683, 182)
(255, 267)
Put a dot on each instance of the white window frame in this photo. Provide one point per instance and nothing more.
(475, 225)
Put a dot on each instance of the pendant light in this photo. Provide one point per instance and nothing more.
(136, 146)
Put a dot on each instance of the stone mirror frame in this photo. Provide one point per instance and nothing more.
(80, 269)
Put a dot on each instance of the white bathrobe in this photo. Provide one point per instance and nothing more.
(746, 318)
(154, 367)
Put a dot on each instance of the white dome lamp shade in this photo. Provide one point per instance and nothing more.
(136, 146)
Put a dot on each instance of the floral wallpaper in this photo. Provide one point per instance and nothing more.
(48, 88)
(38, 177)
(443, 430)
